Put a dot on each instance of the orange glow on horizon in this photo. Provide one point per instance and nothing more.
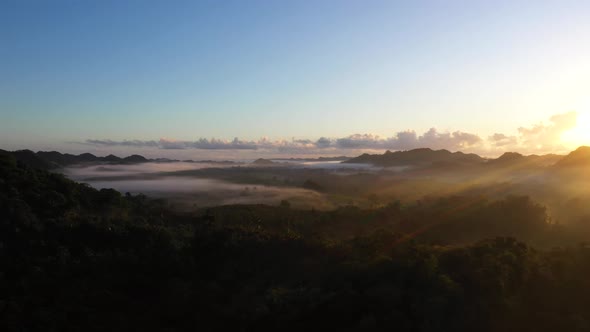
(580, 134)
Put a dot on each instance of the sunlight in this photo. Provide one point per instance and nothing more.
(580, 134)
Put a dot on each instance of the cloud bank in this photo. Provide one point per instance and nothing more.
(539, 138)
(401, 141)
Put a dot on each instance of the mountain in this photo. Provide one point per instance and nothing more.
(507, 158)
(418, 157)
(575, 159)
(30, 158)
(111, 158)
(135, 159)
(87, 158)
(262, 162)
(64, 159)
(319, 159)
(517, 160)
(52, 159)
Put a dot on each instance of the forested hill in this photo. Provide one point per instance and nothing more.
(54, 159)
(73, 258)
(417, 157)
(422, 157)
(580, 158)
(425, 157)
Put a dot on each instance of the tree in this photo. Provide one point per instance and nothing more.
(373, 199)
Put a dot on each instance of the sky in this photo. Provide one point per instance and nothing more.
(227, 79)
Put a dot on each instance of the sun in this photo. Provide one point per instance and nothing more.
(580, 134)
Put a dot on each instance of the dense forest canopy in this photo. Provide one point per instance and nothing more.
(259, 165)
(77, 258)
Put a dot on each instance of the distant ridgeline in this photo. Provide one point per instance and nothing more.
(54, 159)
(425, 157)
(74, 258)
(577, 158)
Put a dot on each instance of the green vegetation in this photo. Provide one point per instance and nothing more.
(73, 258)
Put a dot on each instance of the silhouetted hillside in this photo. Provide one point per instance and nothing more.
(87, 158)
(53, 159)
(508, 158)
(29, 157)
(112, 158)
(575, 159)
(59, 158)
(319, 159)
(417, 157)
(262, 162)
(443, 158)
(135, 159)
(73, 258)
(517, 160)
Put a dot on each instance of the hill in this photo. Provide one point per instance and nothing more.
(443, 158)
(575, 159)
(135, 159)
(263, 162)
(28, 157)
(52, 159)
(417, 157)
(517, 160)
(73, 258)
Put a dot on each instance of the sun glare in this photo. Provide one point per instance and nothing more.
(580, 134)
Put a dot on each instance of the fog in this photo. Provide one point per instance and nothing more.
(83, 171)
(330, 184)
(162, 180)
(332, 165)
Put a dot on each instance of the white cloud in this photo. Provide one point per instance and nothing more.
(539, 138)
(501, 140)
(547, 136)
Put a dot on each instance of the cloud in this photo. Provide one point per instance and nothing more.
(131, 143)
(451, 141)
(172, 144)
(501, 140)
(400, 141)
(323, 142)
(218, 144)
(407, 140)
(543, 136)
(360, 141)
(169, 144)
(538, 138)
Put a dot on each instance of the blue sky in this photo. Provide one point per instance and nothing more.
(72, 71)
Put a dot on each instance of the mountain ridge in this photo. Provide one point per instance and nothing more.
(53, 159)
(426, 157)
(421, 157)
(580, 157)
